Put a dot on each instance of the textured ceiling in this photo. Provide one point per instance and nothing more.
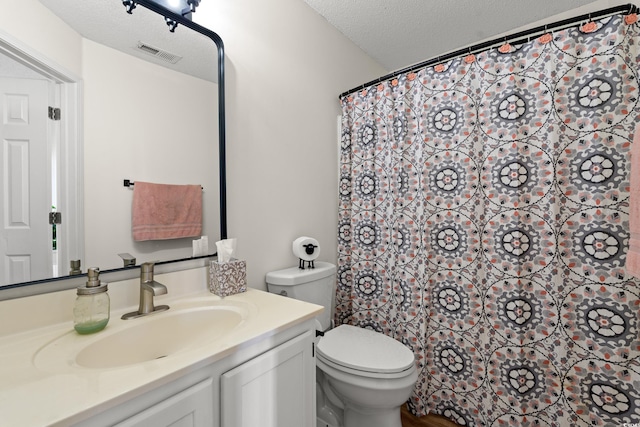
(399, 33)
(396, 33)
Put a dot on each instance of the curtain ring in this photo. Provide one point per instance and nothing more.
(505, 47)
(470, 58)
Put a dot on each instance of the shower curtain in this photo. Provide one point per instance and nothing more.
(483, 222)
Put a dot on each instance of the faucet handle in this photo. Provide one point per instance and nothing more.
(128, 259)
(147, 267)
(154, 287)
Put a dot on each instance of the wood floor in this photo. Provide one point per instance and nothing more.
(409, 420)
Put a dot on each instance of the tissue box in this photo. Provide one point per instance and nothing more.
(227, 278)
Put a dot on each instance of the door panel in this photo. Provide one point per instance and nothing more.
(25, 181)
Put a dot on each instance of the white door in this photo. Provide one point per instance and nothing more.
(25, 242)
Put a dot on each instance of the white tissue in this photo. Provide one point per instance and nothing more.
(200, 246)
(226, 249)
(300, 249)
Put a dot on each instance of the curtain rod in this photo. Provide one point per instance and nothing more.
(517, 38)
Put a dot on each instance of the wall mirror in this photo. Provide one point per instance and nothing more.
(150, 107)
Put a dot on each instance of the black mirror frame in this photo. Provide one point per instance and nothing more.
(19, 290)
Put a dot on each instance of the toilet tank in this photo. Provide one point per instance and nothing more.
(314, 285)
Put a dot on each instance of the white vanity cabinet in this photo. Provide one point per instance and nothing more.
(276, 389)
(189, 408)
(268, 383)
(259, 372)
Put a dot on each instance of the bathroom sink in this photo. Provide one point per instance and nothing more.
(129, 342)
(159, 337)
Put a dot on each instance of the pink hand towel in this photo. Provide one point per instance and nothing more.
(633, 254)
(163, 211)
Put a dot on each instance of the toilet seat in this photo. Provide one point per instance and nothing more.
(365, 353)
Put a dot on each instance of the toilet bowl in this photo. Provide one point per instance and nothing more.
(371, 374)
(364, 376)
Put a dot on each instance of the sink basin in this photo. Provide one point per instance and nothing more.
(129, 342)
(159, 337)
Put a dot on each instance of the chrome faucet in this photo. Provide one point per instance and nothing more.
(148, 289)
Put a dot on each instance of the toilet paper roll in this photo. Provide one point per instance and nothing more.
(306, 248)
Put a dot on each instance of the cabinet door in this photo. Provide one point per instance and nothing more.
(276, 389)
(189, 408)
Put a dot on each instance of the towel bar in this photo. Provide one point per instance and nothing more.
(129, 183)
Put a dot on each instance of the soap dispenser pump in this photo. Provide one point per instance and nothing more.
(91, 310)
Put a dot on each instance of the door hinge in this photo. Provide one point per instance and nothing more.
(55, 218)
(54, 113)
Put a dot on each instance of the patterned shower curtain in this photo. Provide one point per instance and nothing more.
(483, 223)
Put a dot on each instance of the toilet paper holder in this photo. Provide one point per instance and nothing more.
(307, 250)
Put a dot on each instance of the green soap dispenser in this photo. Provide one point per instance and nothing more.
(91, 310)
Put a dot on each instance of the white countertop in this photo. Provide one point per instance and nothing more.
(57, 392)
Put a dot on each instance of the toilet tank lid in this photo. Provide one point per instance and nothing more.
(295, 276)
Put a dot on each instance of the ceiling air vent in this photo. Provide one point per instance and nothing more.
(159, 53)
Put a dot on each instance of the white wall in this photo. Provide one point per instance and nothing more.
(286, 67)
(38, 28)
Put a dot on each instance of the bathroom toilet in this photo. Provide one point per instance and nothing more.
(363, 377)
